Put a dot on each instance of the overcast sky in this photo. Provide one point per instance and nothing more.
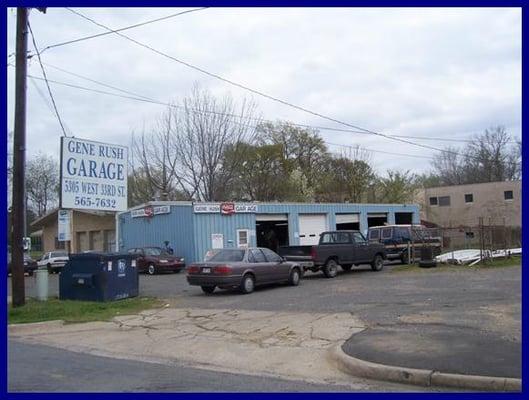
(447, 73)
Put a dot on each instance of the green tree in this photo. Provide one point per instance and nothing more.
(263, 173)
(303, 146)
(396, 187)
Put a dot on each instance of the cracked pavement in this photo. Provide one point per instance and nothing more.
(285, 344)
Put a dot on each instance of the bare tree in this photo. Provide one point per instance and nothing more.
(206, 127)
(42, 183)
(489, 157)
(152, 163)
(184, 152)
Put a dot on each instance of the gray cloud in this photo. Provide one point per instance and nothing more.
(426, 72)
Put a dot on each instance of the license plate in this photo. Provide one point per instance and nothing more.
(163, 261)
(80, 281)
(206, 270)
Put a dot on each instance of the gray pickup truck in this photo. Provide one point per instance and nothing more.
(337, 248)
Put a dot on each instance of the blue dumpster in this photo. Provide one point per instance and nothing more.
(99, 277)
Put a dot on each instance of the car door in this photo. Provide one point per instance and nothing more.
(43, 260)
(279, 269)
(259, 265)
(361, 248)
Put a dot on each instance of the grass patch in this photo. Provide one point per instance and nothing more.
(493, 263)
(78, 311)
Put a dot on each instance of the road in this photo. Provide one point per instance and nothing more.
(35, 368)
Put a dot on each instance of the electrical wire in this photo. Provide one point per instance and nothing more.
(157, 102)
(262, 94)
(324, 128)
(81, 39)
(46, 80)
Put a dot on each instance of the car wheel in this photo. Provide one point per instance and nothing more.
(378, 263)
(177, 271)
(331, 269)
(208, 289)
(346, 267)
(151, 269)
(404, 258)
(247, 284)
(50, 269)
(294, 278)
(30, 273)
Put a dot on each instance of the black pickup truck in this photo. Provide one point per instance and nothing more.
(337, 248)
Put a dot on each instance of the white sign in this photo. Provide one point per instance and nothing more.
(217, 241)
(93, 175)
(63, 225)
(225, 208)
(150, 211)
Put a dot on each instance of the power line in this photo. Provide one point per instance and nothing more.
(138, 97)
(81, 39)
(213, 75)
(146, 100)
(46, 80)
(234, 115)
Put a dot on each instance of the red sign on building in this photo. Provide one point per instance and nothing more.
(227, 208)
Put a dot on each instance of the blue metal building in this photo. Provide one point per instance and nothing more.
(194, 228)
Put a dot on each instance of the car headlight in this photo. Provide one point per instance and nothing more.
(182, 259)
(25, 263)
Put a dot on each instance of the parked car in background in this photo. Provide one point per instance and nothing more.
(30, 265)
(397, 238)
(243, 269)
(54, 261)
(337, 248)
(153, 260)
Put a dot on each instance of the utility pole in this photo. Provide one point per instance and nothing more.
(19, 160)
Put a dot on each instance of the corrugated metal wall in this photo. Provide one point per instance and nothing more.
(190, 233)
(206, 224)
(176, 227)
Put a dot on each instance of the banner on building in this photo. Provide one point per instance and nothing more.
(225, 208)
(150, 211)
(93, 175)
(64, 218)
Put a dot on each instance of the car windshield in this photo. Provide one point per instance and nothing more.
(59, 254)
(227, 256)
(153, 251)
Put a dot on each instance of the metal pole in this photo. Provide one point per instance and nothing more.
(19, 160)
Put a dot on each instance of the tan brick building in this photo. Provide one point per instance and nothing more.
(91, 230)
(498, 203)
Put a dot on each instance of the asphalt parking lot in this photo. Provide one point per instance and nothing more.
(431, 311)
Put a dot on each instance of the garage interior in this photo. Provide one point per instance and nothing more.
(271, 230)
(376, 219)
(347, 222)
(403, 218)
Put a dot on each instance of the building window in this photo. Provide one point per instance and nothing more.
(433, 201)
(469, 198)
(444, 201)
(242, 238)
(508, 195)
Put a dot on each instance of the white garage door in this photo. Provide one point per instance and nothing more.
(310, 227)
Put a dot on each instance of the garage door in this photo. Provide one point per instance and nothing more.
(310, 227)
(347, 218)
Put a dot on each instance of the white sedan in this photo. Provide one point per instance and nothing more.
(53, 260)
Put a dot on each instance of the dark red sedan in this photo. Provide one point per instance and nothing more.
(154, 260)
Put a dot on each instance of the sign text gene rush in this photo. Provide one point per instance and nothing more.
(93, 175)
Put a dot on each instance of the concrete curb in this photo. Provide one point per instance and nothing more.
(33, 327)
(423, 377)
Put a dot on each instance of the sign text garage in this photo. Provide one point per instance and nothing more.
(93, 175)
